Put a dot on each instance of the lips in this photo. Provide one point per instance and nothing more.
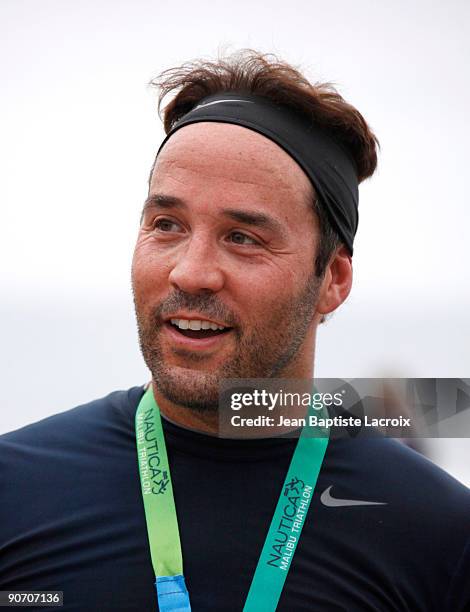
(196, 339)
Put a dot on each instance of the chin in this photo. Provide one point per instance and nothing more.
(189, 362)
(196, 389)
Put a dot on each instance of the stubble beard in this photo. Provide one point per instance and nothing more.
(266, 352)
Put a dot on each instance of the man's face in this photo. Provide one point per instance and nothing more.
(228, 237)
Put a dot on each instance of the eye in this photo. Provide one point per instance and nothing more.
(241, 238)
(166, 225)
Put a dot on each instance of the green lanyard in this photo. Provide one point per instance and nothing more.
(162, 525)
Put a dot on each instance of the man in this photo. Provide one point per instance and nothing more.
(244, 247)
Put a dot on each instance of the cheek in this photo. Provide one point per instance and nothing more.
(262, 294)
(149, 273)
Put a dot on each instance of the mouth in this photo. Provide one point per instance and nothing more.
(196, 333)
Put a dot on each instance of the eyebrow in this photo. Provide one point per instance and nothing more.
(253, 218)
(161, 200)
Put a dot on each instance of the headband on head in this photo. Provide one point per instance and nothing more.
(329, 167)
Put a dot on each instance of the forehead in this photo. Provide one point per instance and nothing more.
(223, 155)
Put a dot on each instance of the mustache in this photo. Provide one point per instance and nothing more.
(205, 304)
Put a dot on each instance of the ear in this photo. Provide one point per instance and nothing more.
(336, 283)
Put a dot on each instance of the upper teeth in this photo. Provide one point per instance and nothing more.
(196, 324)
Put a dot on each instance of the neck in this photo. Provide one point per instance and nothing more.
(195, 420)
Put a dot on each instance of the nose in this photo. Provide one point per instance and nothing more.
(197, 269)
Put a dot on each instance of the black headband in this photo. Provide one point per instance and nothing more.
(328, 166)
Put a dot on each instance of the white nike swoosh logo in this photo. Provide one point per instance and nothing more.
(220, 102)
(333, 502)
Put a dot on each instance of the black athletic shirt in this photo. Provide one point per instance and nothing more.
(72, 519)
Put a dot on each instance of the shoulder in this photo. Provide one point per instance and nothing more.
(419, 498)
(401, 472)
(107, 413)
(422, 522)
(65, 452)
(61, 484)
